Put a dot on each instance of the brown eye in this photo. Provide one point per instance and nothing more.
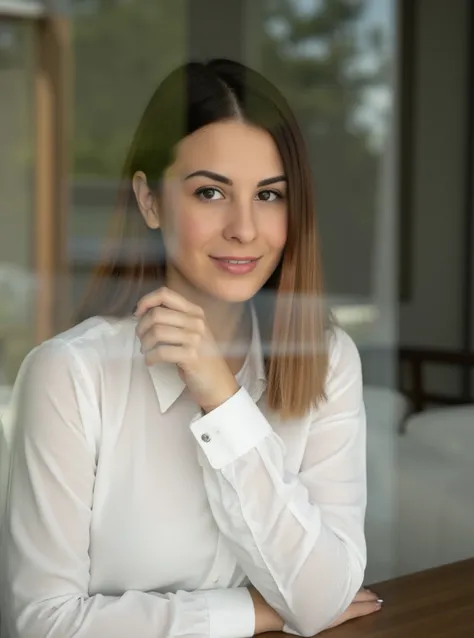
(268, 196)
(208, 194)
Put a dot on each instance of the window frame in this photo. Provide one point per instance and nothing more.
(52, 115)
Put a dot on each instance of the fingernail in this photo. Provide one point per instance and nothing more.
(379, 601)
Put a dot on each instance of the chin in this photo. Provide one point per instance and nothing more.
(237, 293)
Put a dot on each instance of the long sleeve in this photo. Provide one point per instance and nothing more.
(299, 537)
(45, 571)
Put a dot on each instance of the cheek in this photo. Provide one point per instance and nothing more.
(275, 231)
(187, 231)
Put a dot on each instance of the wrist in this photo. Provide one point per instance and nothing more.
(224, 395)
(266, 618)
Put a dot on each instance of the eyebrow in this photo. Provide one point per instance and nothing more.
(225, 180)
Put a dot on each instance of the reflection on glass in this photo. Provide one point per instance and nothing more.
(16, 197)
(121, 51)
(332, 59)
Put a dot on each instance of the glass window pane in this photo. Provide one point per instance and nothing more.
(17, 280)
(336, 61)
(22, 8)
(137, 43)
(333, 62)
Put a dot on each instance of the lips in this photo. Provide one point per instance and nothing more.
(236, 266)
(236, 260)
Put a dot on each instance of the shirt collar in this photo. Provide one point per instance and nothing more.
(169, 386)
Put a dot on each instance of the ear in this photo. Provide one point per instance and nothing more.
(146, 200)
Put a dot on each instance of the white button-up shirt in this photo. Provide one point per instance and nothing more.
(129, 513)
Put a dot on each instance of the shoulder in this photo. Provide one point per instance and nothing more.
(65, 375)
(344, 367)
(342, 350)
(96, 332)
(81, 349)
(343, 401)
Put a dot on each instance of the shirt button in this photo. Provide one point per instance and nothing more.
(206, 438)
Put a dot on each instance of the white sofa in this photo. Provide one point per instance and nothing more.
(386, 409)
(420, 485)
(435, 488)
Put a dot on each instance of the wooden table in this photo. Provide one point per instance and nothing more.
(437, 603)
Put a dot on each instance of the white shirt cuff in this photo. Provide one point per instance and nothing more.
(231, 613)
(230, 430)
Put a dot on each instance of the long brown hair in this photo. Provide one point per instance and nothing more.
(291, 311)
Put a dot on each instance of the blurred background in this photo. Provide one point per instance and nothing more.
(384, 90)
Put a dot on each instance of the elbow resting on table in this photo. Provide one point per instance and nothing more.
(313, 613)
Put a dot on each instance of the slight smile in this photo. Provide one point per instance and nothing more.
(236, 266)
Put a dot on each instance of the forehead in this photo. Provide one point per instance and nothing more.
(234, 149)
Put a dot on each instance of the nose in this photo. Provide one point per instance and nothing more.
(241, 224)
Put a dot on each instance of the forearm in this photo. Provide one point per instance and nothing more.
(298, 535)
(266, 618)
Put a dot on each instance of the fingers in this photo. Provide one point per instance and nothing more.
(370, 595)
(160, 316)
(169, 354)
(163, 335)
(365, 595)
(365, 602)
(168, 298)
(357, 610)
(170, 328)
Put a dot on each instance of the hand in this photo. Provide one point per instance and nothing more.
(173, 330)
(266, 618)
(364, 603)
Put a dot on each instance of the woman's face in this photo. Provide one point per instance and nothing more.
(222, 211)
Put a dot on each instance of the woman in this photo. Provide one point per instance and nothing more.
(190, 459)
